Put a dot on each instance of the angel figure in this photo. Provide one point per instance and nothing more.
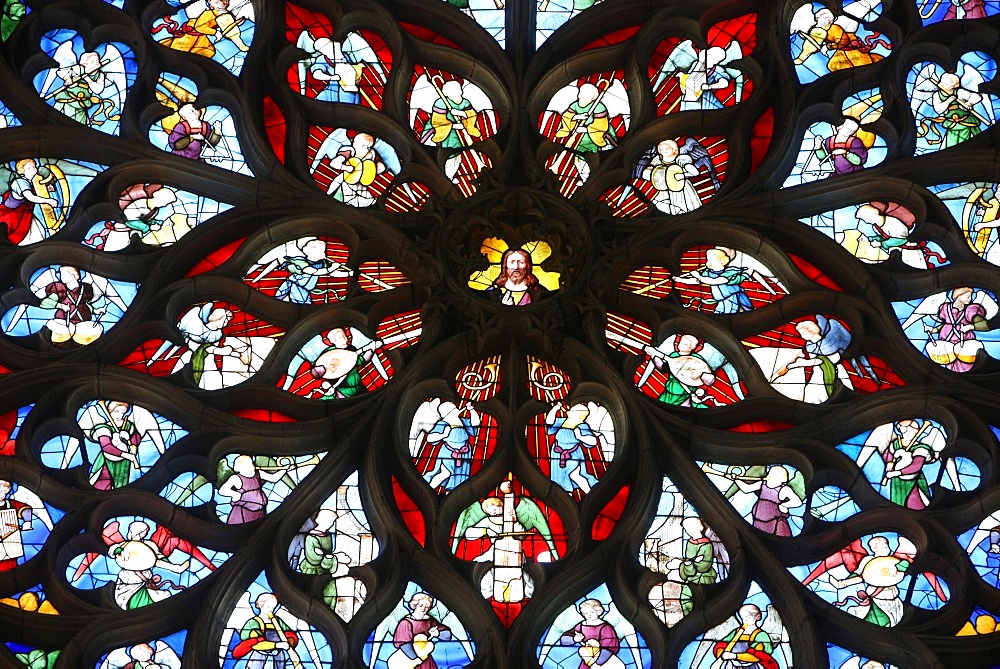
(592, 634)
(358, 160)
(219, 356)
(445, 450)
(329, 365)
(75, 306)
(751, 638)
(905, 447)
(495, 531)
(725, 272)
(701, 76)
(18, 509)
(306, 261)
(949, 107)
(136, 584)
(820, 361)
(37, 198)
(154, 655)
(951, 321)
(884, 228)
(579, 453)
(453, 107)
(118, 428)
(585, 124)
(418, 634)
(681, 547)
(835, 38)
(90, 89)
(879, 570)
(152, 215)
(691, 366)
(338, 66)
(261, 633)
(211, 24)
(192, 131)
(776, 493)
(332, 540)
(977, 208)
(670, 168)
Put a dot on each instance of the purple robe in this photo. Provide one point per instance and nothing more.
(602, 632)
(952, 318)
(767, 516)
(408, 629)
(252, 503)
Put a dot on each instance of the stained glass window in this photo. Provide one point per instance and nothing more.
(499, 333)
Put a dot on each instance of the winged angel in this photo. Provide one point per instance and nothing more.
(156, 655)
(702, 75)
(593, 633)
(954, 325)
(261, 629)
(750, 638)
(496, 531)
(38, 197)
(949, 107)
(88, 87)
(338, 66)
(419, 633)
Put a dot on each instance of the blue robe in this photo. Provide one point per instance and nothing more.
(451, 455)
(568, 453)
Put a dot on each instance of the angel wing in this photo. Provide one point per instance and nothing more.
(242, 611)
(305, 633)
(601, 422)
(564, 621)
(114, 72)
(335, 141)
(803, 20)
(983, 531)
(66, 57)
(22, 494)
(734, 52)
(797, 483)
(39, 283)
(721, 553)
(983, 298)
(929, 306)
(864, 10)
(450, 620)
(680, 59)
(384, 633)
(466, 519)
(713, 636)
(779, 635)
(644, 161)
(119, 657)
(700, 158)
(104, 287)
(165, 656)
(357, 50)
(530, 515)
(388, 156)
(754, 266)
(625, 631)
(925, 86)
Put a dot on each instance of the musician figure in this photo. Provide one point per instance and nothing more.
(746, 646)
(585, 125)
(454, 121)
(670, 172)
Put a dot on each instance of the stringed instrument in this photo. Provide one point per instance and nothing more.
(422, 646)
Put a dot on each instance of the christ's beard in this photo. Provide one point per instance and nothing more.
(516, 276)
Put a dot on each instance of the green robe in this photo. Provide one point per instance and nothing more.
(675, 392)
(694, 570)
(900, 488)
(349, 387)
(960, 124)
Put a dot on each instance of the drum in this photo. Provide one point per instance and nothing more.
(967, 350)
(668, 177)
(882, 571)
(941, 352)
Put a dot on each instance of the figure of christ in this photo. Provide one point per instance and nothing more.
(516, 285)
